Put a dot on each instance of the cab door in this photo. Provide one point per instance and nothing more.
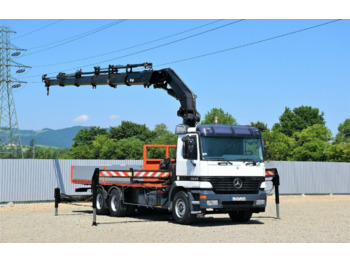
(187, 159)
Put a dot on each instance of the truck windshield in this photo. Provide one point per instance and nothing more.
(231, 149)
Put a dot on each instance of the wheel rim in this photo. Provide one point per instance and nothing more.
(114, 203)
(99, 201)
(180, 208)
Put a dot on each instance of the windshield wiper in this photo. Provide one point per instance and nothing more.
(225, 162)
(250, 161)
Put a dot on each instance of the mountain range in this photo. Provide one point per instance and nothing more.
(62, 138)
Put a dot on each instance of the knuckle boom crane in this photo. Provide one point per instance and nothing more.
(217, 169)
(165, 79)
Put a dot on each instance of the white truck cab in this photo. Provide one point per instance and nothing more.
(222, 169)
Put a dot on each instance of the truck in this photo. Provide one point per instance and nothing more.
(217, 168)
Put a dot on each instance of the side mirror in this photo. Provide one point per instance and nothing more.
(190, 144)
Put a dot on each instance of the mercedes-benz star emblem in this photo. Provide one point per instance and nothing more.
(237, 183)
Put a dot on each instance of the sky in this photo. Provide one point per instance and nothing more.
(253, 80)
(253, 83)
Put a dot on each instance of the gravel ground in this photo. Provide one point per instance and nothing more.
(309, 219)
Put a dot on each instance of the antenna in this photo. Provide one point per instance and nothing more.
(10, 140)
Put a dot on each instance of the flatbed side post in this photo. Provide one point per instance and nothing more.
(95, 181)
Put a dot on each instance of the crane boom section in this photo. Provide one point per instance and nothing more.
(165, 79)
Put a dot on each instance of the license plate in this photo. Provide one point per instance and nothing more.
(239, 198)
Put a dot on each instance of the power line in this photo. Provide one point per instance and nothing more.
(248, 44)
(131, 47)
(73, 37)
(80, 36)
(219, 51)
(41, 28)
(162, 45)
(152, 48)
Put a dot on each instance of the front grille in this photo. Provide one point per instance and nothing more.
(224, 185)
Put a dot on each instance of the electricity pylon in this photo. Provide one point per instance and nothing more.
(10, 140)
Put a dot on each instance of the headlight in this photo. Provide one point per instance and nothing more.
(212, 202)
(260, 202)
(263, 185)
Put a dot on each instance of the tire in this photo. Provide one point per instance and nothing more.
(116, 206)
(181, 209)
(240, 216)
(101, 202)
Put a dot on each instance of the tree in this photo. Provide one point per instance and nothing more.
(312, 143)
(343, 132)
(161, 130)
(338, 152)
(163, 137)
(129, 148)
(83, 142)
(98, 144)
(85, 136)
(298, 119)
(278, 145)
(128, 129)
(259, 125)
(223, 118)
(83, 151)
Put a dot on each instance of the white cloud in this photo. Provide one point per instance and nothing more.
(113, 117)
(82, 118)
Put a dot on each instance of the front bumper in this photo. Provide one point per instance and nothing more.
(230, 202)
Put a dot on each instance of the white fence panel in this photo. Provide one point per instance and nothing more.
(313, 177)
(35, 179)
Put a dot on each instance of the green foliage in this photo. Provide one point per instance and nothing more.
(343, 132)
(42, 153)
(86, 136)
(122, 142)
(259, 125)
(338, 152)
(129, 148)
(10, 152)
(315, 132)
(162, 137)
(223, 118)
(45, 152)
(128, 129)
(300, 135)
(83, 142)
(83, 151)
(278, 145)
(298, 119)
(311, 143)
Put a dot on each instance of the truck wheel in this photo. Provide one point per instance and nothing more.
(101, 202)
(240, 216)
(116, 206)
(181, 209)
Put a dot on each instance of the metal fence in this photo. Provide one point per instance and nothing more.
(35, 179)
(313, 177)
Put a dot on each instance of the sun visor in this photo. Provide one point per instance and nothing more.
(229, 131)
